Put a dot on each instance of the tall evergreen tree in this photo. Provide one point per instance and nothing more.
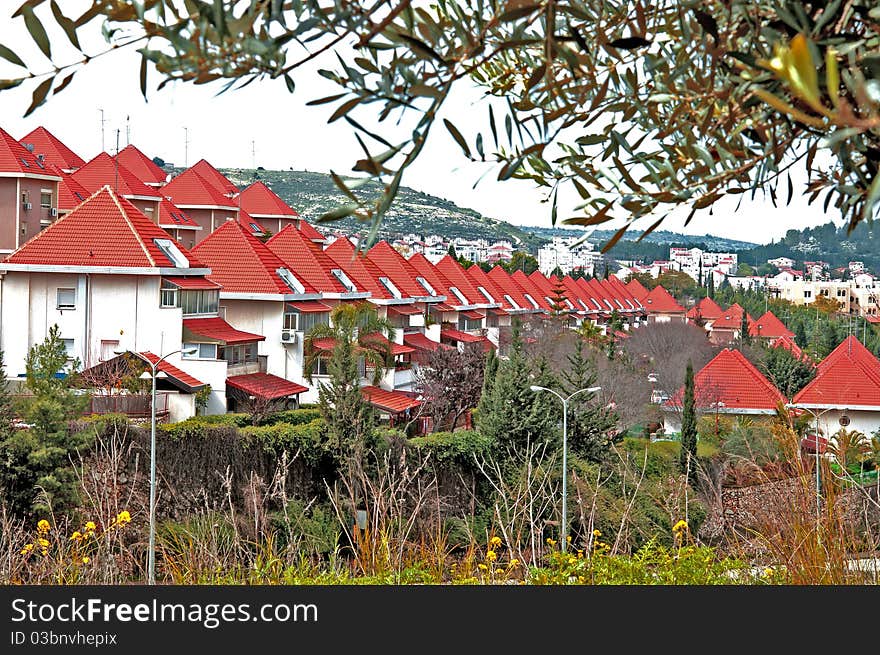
(800, 335)
(688, 452)
(590, 425)
(744, 337)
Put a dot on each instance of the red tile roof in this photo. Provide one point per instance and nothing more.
(480, 278)
(54, 152)
(103, 169)
(310, 263)
(265, 385)
(362, 271)
(458, 335)
(408, 309)
(421, 342)
(15, 158)
(731, 319)
(618, 289)
(848, 377)
(432, 276)
(142, 166)
(637, 289)
(769, 326)
(595, 296)
(706, 309)
(382, 342)
(789, 344)
(241, 263)
(190, 189)
(105, 230)
(309, 306)
(394, 402)
(577, 295)
(180, 376)
(394, 266)
(70, 192)
(215, 328)
(194, 283)
(455, 273)
(526, 284)
(212, 175)
(731, 379)
(309, 231)
(259, 200)
(171, 216)
(660, 301)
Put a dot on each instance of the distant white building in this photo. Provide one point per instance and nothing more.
(781, 262)
(568, 254)
(696, 262)
(856, 267)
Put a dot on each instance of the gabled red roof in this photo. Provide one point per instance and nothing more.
(733, 380)
(265, 385)
(54, 152)
(432, 276)
(15, 158)
(105, 230)
(393, 402)
(848, 377)
(312, 264)
(250, 223)
(575, 293)
(594, 295)
(455, 273)
(171, 216)
(358, 267)
(103, 169)
(660, 301)
(637, 289)
(480, 278)
(789, 344)
(769, 326)
(215, 177)
(216, 329)
(543, 283)
(70, 192)
(309, 231)
(241, 263)
(180, 376)
(527, 285)
(618, 290)
(259, 200)
(706, 309)
(394, 266)
(190, 189)
(731, 318)
(142, 166)
(458, 335)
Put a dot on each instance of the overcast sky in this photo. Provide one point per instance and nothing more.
(265, 125)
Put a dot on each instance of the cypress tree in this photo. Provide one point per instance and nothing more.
(688, 453)
(744, 336)
(590, 425)
(800, 335)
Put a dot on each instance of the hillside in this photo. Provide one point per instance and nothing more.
(313, 194)
(659, 237)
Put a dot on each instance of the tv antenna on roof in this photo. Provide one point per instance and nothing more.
(103, 149)
(186, 147)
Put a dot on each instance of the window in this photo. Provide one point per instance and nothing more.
(389, 285)
(242, 353)
(510, 301)
(458, 294)
(808, 294)
(45, 198)
(288, 278)
(256, 228)
(492, 320)
(841, 293)
(203, 350)
(427, 287)
(66, 298)
(167, 294)
(68, 346)
(108, 348)
(486, 294)
(466, 324)
(172, 252)
(291, 320)
(344, 280)
(309, 320)
(320, 367)
(199, 301)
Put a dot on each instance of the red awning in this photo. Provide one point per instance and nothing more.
(406, 310)
(217, 330)
(396, 348)
(808, 443)
(458, 335)
(443, 307)
(421, 342)
(175, 375)
(194, 283)
(470, 313)
(265, 385)
(308, 306)
(327, 343)
(393, 402)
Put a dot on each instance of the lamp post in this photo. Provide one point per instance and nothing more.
(816, 416)
(154, 373)
(534, 387)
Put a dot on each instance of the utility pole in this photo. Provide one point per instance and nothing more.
(103, 149)
(116, 164)
(186, 147)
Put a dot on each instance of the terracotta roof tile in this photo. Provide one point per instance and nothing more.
(265, 385)
(769, 326)
(398, 270)
(181, 376)
(70, 192)
(848, 377)
(309, 231)
(15, 158)
(394, 402)
(362, 271)
(241, 263)
(455, 273)
(637, 289)
(217, 329)
(660, 301)
(481, 278)
(458, 335)
(731, 319)
(190, 189)
(213, 176)
(54, 152)
(259, 200)
(421, 342)
(142, 166)
(310, 263)
(432, 276)
(105, 230)
(526, 284)
(103, 169)
(706, 309)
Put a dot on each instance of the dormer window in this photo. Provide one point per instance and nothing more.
(256, 228)
(427, 287)
(389, 285)
(511, 301)
(288, 278)
(344, 280)
(172, 253)
(486, 294)
(458, 294)
(535, 305)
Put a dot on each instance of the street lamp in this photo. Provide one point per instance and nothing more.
(534, 387)
(153, 374)
(816, 439)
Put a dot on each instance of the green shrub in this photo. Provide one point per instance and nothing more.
(307, 438)
(459, 446)
(293, 416)
(313, 529)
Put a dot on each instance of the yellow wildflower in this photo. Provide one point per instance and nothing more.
(123, 518)
(513, 563)
(491, 556)
(44, 543)
(482, 567)
(681, 525)
(568, 538)
(768, 572)
(43, 526)
(495, 542)
(44, 552)
(76, 536)
(551, 542)
(90, 526)
(27, 548)
(597, 533)
(572, 560)
(85, 560)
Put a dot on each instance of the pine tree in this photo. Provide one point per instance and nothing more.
(800, 335)
(591, 427)
(688, 452)
(558, 304)
(744, 337)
